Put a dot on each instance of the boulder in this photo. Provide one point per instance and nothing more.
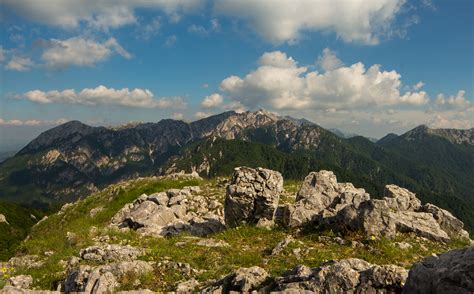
(243, 280)
(105, 278)
(20, 282)
(110, 252)
(451, 225)
(344, 276)
(3, 219)
(450, 272)
(188, 286)
(252, 196)
(400, 198)
(169, 213)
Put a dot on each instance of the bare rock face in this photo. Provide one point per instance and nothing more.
(110, 252)
(20, 282)
(103, 279)
(450, 272)
(450, 224)
(321, 196)
(345, 276)
(401, 199)
(252, 197)
(243, 280)
(171, 212)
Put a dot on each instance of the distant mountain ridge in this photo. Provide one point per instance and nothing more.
(72, 160)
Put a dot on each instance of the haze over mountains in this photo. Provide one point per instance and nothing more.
(72, 160)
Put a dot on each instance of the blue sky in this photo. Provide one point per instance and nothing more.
(369, 67)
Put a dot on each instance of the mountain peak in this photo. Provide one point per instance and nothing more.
(455, 136)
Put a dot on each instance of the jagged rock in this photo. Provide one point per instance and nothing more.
(321, 196)
(450, 272)
(103, 279)
(188, 286)
(376, 217)
(282, 245)
(112, 252)
(169, 213)
(242, 280)
(344, 276)
(212, 243)
(252, 196)
(25, 261)
(95, 211)
(400, 198)
(451, 225)
(20, 282)
(139, 291)
(3, 219)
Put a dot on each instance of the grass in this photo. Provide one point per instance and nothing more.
(248, 245)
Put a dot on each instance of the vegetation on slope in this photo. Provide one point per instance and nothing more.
(73, 228)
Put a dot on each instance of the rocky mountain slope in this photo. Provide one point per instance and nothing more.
(250, 232)
(73, 160)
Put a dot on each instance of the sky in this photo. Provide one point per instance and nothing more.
(369, 67)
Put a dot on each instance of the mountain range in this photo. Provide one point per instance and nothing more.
(72, 160)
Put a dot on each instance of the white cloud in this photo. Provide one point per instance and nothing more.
(201, 114)
(80, 51)
(177, 116)
(363, 21)
(454, 101)
(102, 95)
(329, 60)
(213, 100)
(31, 122)
(201, 30)
(418, 85)
(19, 63)
(103, 14)
(279, 83)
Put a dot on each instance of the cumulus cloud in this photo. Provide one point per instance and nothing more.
(201, 30)
(454, 101)
(102, 14)
(280, 83)
(363, 21)
(328, 60)
(171, 41)
(177, 116)
(151, 29)
(201, 114)
(80, 51)
(19, 63)
(102, 95)
(213, 100)
(31, 122)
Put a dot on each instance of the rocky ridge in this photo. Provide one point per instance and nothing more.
(253, 197)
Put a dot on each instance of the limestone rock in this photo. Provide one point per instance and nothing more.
(103, 279)
(252, 196)
(400, 198)
(3, 219)
(450, 272)
(169, 213)
(345, 276)
(451, 225)
(21, 281)
(110, 252)
(188, 286)
(242, 280)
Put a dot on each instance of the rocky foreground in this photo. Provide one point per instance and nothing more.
(282, 238)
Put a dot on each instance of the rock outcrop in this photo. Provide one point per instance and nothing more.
(323, 201)
(110, 252)
(171, 212)
(252, 197)
(343, 276)
(450, 272)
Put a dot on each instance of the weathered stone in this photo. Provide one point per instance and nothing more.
(252, 195)
(188, 286)
(95, 211)
(160, 198)
(3, 219)
(103, 279)
(25, 261)
(400, 198)
(450, 272)
(282, 245)
(451, 225)
(110, 252)
(20, 282)
(243, 280)
(344, 276)
(212, 243)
